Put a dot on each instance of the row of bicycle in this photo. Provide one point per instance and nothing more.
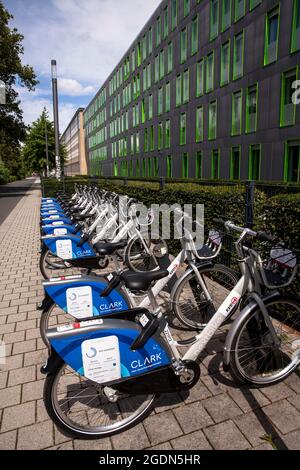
(111, 351)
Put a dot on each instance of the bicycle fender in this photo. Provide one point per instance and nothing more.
(247, 310)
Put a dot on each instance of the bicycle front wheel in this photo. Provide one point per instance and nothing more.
(259, 358)
(81, 408)
(190, 303)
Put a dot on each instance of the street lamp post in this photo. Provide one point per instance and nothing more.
(47, 149)
(55, 115)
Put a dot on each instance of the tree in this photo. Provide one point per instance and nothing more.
(34, 151)
(12, 73)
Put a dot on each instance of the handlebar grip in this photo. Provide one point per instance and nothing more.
(265, 237)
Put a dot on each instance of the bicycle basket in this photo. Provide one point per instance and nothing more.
(280, 269)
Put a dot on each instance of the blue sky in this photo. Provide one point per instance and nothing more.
(86, 37)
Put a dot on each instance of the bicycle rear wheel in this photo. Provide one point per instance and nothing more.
(255, 357)
(189, 302)
(81, 408)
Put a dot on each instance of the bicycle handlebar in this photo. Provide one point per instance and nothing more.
(260, 235)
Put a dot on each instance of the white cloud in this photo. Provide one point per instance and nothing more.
(71, 87)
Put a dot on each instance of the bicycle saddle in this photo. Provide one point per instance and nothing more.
(106, 249)
(142, 281)
(81, 217)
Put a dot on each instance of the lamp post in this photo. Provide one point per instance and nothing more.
(55, 115)
(47, 149)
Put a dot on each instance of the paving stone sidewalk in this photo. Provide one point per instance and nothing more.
(213, 415)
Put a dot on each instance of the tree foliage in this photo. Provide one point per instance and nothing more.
(13, 73)
(34, 151)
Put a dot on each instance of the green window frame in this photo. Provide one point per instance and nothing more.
(169, 166)
(199, 124)
(158, 31)
(292, 162)
(115, 168)
(150, 106)
(137, 142)
(160, 136)
(156, 69)
(174, 14)
(151, 138)
(144, 48)
(226, 15)
(199, 164)
(213, 19)
(287, 107)
(254, 4)
(225, 63)
(161, 64)
(238, 56)
(185, 165)
(239, 9)
(194, 36)
(183, 45)
(168, 134)
(166, 21)
(133, 60)
(144, 168)
(145, 86)
(149, 75)
(236, 119)
(143, 119)
(170, 57)
(215, 164)
(254, 162)
(160, 101)
(295, 36)
(155, 167)
(182, 132)
(271, 36)
(186, 86)
(149, 166)
(178, 90)
(251, 108)
(137, 168)
(139, 58)
(235, 163)
(210, 62)
(168, 97)
(186, 8)
(212, 120)
(150, 41)
(200, 78)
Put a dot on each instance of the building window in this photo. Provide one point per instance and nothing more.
(137, 168)
(214, 19)
(174, 14)
(212, 120)
(194, 38)
(215, 164)
(146, 142)
(144, 79)
(182, 136)
(238, 56)
(143, 112)
(115, 169)
(225, 63)
(254, 162)
(170, 57)
(160, 102)
(226, 14)
(133, 60)
(178, 90)
(185, 166)
(150, 40)
(144, 168)
(166, 22)
(149, 167)
(137, 142)
(186, 86)
(151, 138)
(149, 75)
(236, 123)
(183, 45)
(161, 64)
(271, 36)
(199, 124)
(200, 78)
(168, 134)
(198, 172)
(144, 48)
(251, 108)
(156, 69)
(169, 167)
(160, 136)
(186, 8)
(287, 108)
(295, 43)
(254, 3)
(150, 106)
(168, 97)
(239, 9)
(210, 72)
(235, 160)
(292, 162)
(155, 166)
(158, 31)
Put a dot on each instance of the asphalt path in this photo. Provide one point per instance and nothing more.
(12, 193)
